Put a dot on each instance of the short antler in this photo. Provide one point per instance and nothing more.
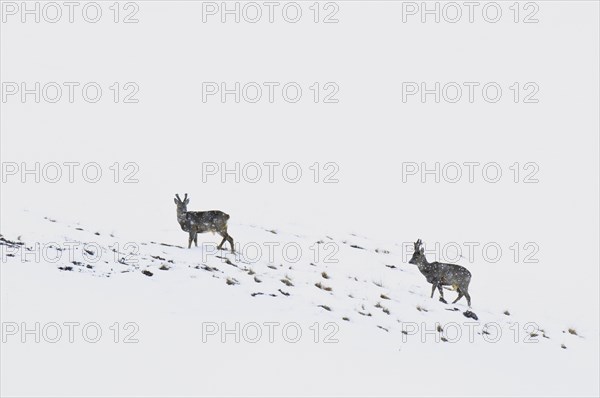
(418, 243)
(177, 196)
(185, 197)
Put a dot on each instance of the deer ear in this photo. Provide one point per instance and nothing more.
(185, 202)
(422, 250)
(175, 200)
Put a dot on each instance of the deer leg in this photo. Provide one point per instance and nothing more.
(468, 298)
(433, 286)
(196, 240)
(230, 240)
(224, 235)
(460, 295)
(191, 238)
(442, 299)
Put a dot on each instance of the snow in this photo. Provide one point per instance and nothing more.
(171, 137)
(178, 309)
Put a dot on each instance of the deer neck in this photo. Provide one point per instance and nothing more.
(424, 266)
(181, 216)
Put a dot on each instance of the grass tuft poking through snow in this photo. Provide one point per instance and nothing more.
(323, 287)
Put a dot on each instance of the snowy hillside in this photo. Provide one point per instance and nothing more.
(334, 134)
(306, 306)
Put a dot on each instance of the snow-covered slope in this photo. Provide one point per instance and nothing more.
(291, 310)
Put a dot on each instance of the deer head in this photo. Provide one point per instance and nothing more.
(181, 204)
(419, 254)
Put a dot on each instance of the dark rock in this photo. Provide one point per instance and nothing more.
(147, 273)
(470, 314)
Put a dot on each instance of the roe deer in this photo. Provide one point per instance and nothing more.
(196, 222)
(441, 274)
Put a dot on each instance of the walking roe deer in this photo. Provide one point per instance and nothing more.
(442, 274)
(197, 222)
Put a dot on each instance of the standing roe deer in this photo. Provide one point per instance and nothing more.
(441, 274)
(196, 222)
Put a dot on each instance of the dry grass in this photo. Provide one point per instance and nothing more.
(324, 275)
(378, 283)
(385, 310)
(287, 282)
(323, 287)
(232, 281)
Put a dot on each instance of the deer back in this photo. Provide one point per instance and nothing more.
(206, 221)
(449, 274)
